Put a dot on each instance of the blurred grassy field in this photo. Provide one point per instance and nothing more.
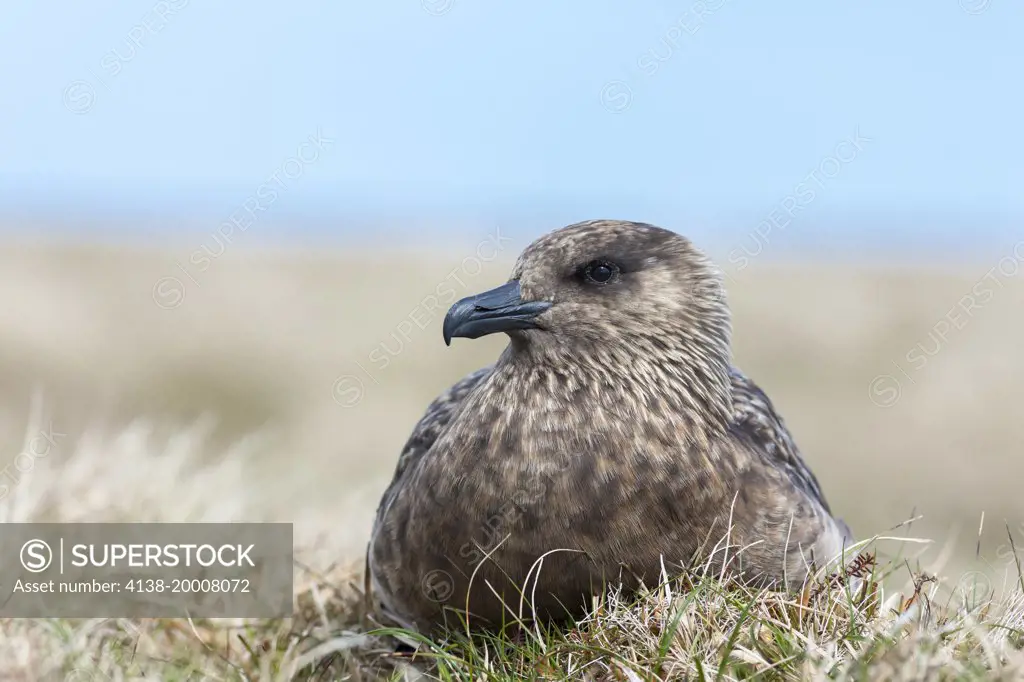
(330, 357)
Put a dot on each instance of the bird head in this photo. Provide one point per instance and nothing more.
(603, 286)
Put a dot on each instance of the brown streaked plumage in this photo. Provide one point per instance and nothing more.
(612, 437)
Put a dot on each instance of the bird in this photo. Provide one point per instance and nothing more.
(612, 441)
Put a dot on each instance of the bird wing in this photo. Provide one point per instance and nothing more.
(787, 501)
(430, 426)
(439, 413)
(754, 414)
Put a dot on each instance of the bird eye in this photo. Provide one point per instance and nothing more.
(601, 272)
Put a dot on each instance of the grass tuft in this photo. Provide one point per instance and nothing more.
(845, 627)
(865, 621)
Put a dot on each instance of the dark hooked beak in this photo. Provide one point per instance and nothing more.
(498, 310)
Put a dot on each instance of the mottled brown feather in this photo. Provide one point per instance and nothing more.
(618, 436)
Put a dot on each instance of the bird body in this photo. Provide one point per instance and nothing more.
(612, 440)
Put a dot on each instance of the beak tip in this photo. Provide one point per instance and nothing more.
(447, 329)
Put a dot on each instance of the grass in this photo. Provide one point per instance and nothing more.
(264, 335)
(844, 625)
(692, 627)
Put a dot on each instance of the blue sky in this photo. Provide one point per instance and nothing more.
(712, 110)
